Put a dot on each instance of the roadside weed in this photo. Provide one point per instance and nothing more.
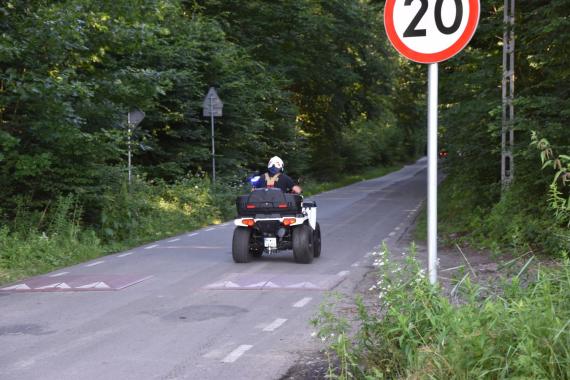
(518, 327)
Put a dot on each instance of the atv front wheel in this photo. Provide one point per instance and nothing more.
(240, 245)
(303, 249)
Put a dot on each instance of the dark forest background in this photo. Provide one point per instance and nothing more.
(313, 81)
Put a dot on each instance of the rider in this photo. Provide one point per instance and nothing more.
(276, 178)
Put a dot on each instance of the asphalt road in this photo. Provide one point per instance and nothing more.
(180, 308)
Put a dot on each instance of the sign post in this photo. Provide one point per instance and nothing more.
(426, 32)
(212, 107)
(134, 118)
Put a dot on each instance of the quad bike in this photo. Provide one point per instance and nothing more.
(270, 221)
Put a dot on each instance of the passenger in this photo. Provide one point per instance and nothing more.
(276, 178)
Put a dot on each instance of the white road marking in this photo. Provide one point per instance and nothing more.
(256, 285)
(58, 274)
(224, 284)
(194, 247)
(125, 254)
(392, 233)
(302, 302)
(356, 264)
(271, 285)
(343, 273)
(152, 246)
(302, 285)
(95, 263)
(57, 285)
(95, 285)
(275, 324)
(210, 229)
(397, 228)
(173, 240)
(235, 354)
(194, 234)
(17, 287)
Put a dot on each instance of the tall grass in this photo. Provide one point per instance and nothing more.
(38, 242)
(520, 329)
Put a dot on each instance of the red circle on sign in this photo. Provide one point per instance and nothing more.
(456, 47)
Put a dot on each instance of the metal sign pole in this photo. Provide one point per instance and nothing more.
(213, 142)
(432, 170)
(433, 43)
(130, 151)
(134, 118)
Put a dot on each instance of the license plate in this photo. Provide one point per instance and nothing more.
(270, 242)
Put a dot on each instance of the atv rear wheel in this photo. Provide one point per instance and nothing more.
(240, 245)
(303, 249)
(317, 241)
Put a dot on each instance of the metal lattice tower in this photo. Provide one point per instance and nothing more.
(507, 133)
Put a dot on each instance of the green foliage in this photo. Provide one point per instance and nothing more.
(473, 205)
(338, 68)
(518, 330)
(309, 80)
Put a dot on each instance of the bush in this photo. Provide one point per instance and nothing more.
(38, 242)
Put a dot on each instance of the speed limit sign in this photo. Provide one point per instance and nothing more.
(430, 31)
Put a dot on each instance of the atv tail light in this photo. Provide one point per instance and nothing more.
(282, 205)
(250, 206)
(248, 222)
(289, 221)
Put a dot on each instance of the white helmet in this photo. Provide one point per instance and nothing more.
(277, 162)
